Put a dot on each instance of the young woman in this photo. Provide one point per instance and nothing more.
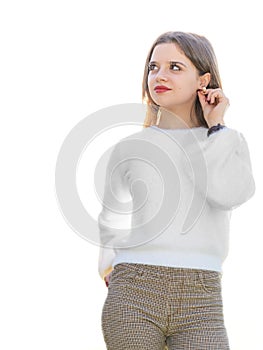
(164, 276)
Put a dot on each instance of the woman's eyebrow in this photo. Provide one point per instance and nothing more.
(178, 62)
(170, 62)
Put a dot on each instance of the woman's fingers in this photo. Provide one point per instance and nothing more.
(107, 279)
(214, 104)
(214, 96)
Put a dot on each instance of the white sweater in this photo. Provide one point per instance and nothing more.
(168, 197)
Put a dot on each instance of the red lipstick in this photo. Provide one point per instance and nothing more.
(161, 88)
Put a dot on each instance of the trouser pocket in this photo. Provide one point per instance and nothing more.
(209, 281)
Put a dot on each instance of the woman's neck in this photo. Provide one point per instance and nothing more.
(170, 120)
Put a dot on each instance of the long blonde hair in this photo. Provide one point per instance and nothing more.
(201, 53)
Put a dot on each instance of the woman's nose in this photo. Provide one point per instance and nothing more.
(161, 76)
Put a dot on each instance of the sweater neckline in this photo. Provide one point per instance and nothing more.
(179, 129)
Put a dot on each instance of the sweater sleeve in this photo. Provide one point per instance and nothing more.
(229, 178)
(114, 216)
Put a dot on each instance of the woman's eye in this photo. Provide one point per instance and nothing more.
(174, 67)
(152, 66)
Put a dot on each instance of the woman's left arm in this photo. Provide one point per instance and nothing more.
(230, 180)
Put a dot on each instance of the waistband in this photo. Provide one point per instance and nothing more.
(167, 271)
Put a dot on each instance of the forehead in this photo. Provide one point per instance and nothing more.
(168, 52)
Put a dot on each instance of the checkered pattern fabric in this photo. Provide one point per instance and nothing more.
(149, 307)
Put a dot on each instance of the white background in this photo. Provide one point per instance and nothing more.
(60, 62)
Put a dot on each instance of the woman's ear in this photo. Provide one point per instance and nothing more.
(204, 80)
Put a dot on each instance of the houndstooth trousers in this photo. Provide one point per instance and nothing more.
(149, 307)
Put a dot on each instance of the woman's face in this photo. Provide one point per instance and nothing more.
(173, 80)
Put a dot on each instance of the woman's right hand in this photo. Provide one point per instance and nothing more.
(107, 279)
